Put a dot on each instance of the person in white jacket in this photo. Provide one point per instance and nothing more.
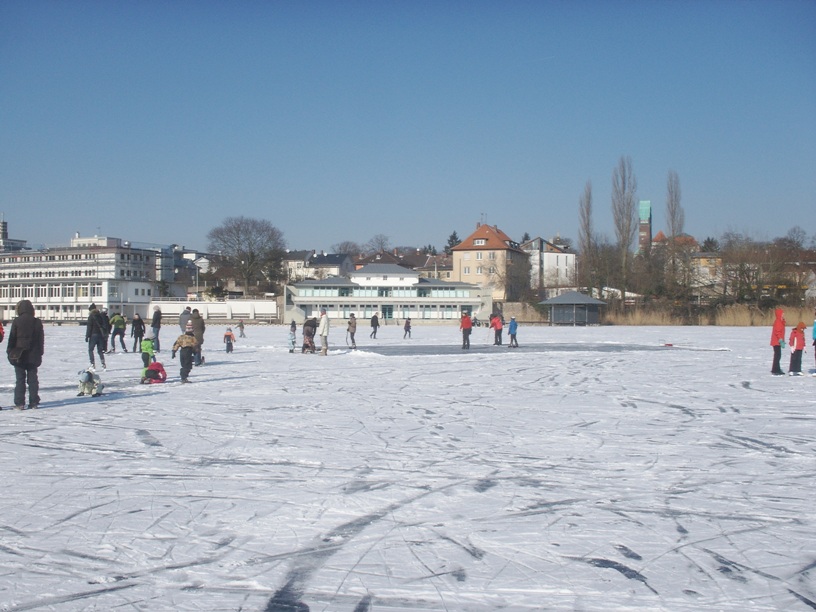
(323, 332)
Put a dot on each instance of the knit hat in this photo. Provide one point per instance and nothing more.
(801, 326)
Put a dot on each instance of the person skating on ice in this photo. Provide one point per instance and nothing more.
(352, 329)
(229, 339)
(512, 329)
(466, 325)
(797, 347)
(778, 341)
(185, 345)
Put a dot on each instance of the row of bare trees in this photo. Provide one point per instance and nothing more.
(680, 272)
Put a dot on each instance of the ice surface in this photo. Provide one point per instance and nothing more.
(590, 469)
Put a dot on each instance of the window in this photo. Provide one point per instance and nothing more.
(466, 270)
(480, 242)
(479, 256)
(478, 269)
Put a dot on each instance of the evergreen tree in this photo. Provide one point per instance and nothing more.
(453, 240)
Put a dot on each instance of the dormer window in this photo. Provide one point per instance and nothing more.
(480, 242)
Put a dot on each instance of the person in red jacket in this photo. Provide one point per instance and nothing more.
(797, 347)
(154, 373)
(466, 325)
(778, 341)
(496, 326)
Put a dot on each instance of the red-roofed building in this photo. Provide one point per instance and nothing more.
(491, 259)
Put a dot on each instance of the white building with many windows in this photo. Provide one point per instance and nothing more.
(552, 266)
(391, 291)
(62, 282)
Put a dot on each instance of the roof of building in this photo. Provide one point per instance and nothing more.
(297, 255)
(437, 262)
(342, 281)
(549, 246)
(571, 298)
(495, 240)
(387, 269)
(327, 260)
(385, 257)
(332, 281)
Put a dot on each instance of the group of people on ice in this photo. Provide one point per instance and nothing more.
(497, 322)
(796, 341)
(146, 342)
(314, 327)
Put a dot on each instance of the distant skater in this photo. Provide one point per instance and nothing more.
(184, 317)
(309, 329)
(155, 325)
(137, 332)
(352, 329)
(146, 346)
(292, 336)
(375, 325)
(407, 329)
(323, 331)
(797, 347)
(96, 336)
(496, 326)
(466, 325)
(118, 325)
(186, 345)
(199, 327)
(814, 338)
(240, 327)
(778, 341)
(229, 339)
(512, 329)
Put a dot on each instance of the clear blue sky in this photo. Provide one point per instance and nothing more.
(154, 120)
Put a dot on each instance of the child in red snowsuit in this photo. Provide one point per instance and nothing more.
(154, 373)
(797, 347)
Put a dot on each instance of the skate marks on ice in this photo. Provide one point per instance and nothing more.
(309, 560)
(567, 481)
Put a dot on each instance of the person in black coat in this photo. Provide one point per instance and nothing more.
(155, 324)
(137, 331)
(96, 335)
(25, 349)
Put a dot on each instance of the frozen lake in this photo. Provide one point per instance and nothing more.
(590, 469)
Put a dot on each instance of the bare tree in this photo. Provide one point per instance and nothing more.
(624, 212)
(253, 247)
(586, 240)
(515, 278)
(347, 247)
(675, 219)
(378, 243)
(675, 216)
